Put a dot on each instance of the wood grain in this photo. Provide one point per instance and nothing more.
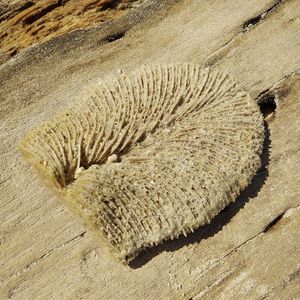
(249, 251)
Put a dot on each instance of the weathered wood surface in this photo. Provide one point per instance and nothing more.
(250, 251)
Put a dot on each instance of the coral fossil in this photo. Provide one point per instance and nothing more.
(151, 155)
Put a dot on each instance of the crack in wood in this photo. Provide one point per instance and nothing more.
(262, 16)
(5, 180)
(274, 96)
(42, 12)
(217, 281)
(113, 37)
(30, 265)
(244, 28)
(282, 285)
(274, 222)
(274, 85)
(235, 249)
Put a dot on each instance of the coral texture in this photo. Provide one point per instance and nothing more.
(150, 155)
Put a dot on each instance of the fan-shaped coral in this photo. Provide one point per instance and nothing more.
(147, 156)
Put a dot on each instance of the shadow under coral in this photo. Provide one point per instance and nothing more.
(220, 220)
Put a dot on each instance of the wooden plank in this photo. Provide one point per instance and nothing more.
(45, 251)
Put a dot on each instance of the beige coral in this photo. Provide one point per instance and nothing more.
(151, 155)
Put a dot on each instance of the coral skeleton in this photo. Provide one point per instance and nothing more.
(147, 156)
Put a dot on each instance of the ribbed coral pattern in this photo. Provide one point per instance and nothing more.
(150, 155)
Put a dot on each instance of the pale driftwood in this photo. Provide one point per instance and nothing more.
(250, 251)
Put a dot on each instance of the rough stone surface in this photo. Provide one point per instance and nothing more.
(250, 250)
